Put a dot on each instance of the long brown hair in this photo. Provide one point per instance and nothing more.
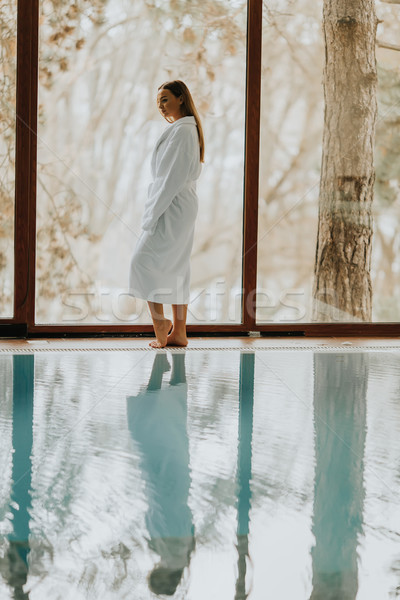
(178, 89)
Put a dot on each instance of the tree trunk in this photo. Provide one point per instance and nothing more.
(342, 282)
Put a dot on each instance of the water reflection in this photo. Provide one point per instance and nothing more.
(157, 422)
(15, 567)
(251, 500)
(246, 403)
(340, 389)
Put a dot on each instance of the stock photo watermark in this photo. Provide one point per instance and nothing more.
(218, 303)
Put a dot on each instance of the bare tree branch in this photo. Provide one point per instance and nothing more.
(386, 45)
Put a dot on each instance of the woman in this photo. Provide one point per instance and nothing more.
(160, 267)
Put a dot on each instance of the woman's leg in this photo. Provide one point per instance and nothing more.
(160, 323)
(178, 337)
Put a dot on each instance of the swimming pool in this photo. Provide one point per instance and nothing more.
(200, 475)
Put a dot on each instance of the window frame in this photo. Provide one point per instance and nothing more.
(23, 323)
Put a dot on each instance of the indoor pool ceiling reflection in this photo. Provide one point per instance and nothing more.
(200, 475)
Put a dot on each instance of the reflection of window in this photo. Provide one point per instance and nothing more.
(97, 125)
(8, 44)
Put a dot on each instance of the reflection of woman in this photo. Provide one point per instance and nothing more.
(160, 268)
(157, 422)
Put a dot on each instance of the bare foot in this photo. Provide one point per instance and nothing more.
(161, 329)
(176, 339)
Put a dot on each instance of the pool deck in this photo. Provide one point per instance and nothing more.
(201, 343)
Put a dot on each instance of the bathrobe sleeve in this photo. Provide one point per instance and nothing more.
(171, 176)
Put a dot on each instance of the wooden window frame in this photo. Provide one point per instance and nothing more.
(23, 323)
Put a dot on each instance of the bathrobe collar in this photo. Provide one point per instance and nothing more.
(190, 120)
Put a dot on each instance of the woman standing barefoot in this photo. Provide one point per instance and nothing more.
(160, 266)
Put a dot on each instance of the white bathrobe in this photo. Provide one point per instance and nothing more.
(160, 265)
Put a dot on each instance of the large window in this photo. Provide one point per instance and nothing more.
(290, 157)
(8, 48)
(87, 122)
(100, 67)
(292, 122)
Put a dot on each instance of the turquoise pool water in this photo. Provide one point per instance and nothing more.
(200, 475)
